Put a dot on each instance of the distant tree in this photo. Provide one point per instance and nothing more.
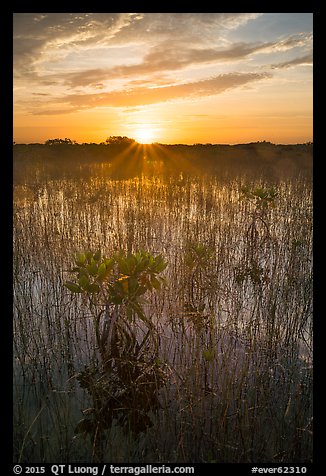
(65, 141)
(119, 140)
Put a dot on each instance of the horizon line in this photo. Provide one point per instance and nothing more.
(309, 142)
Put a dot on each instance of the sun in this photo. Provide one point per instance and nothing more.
(144, 135)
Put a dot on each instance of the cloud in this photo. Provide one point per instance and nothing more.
(300, 61)
(144, 96)
(34, 29)
(294, 41)
(53, 112)
(201, 26)
(170, 41)
(172, 55)
(127, 60)
(166, 56)
(35, 34)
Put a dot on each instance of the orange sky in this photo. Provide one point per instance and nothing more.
(163, 77)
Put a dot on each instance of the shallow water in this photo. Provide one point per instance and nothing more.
(252, 328)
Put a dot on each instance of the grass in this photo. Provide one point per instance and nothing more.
(234, 320)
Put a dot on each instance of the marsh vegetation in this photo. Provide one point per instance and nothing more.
(211, 363)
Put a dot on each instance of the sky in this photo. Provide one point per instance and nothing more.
(223, 78)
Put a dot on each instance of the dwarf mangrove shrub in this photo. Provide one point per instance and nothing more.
(257, 235)
(124, 381)
(263, 200)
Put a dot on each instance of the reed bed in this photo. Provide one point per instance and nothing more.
(234, 321)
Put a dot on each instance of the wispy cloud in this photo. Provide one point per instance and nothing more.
(34, 33)
(167, 56)
(144, 96)
(300, 61)
(164, 57)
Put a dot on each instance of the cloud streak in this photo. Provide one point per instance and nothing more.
(145, 96)
(177, 55)
(37, 34)
(300, 61)
(33, 32)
